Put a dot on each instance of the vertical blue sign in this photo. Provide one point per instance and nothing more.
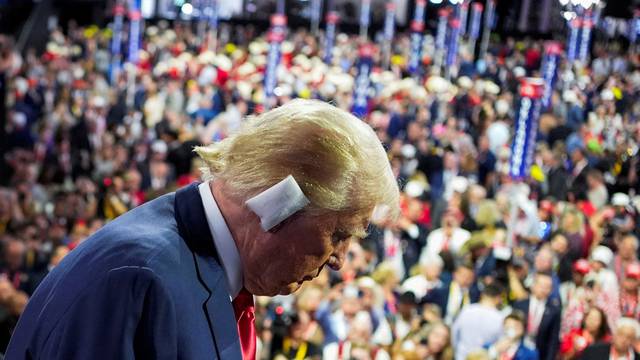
(526, 127)
(464, 14)
(454, 34)
(330, 35)
(417, 29)
(213, 15)
(572, 46)
(275, 37)
(135, 16)
(362, 82)
(553, 50)
(476, 14)
(585, 38)
(365, 9)
(116, 40)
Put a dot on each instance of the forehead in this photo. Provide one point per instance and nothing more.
(626, 330)
(512, 322)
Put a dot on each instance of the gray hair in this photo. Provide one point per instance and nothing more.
(630, 323)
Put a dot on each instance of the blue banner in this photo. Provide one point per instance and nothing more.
(416, 52)
(417, 29)
(634, 27)
(116, 41)
(441, 31)
(476, 15)
(361, 89)
(454, 34)
(526, 127)
(135, 16)
(330, 35)
(213, 15)
(276, 36)
(550, 71)
(390, 21)
(490, 14)
(316, 10)
(585, 38)
(365, 9)
(572, 46)
(464, 13)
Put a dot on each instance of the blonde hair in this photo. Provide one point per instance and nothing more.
(336, 159)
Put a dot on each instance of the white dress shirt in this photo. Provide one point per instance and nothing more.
(536, 311)
(223, 241)
(437, 241)
(477, 326)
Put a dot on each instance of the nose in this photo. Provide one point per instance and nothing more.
(336, 260)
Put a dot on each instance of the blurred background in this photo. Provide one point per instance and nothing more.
(512, 128)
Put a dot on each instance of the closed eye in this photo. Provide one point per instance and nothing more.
(340, 236)
(344, 235)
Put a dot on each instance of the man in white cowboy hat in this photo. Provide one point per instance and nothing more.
(175, 278)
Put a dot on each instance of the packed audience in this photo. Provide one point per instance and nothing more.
(477, 266)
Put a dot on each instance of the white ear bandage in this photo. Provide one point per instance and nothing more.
(278, 203)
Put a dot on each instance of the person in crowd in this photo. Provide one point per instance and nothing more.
(629, 292)
(512, 343)
(294, 345)
(478, 324)
(594, 329)
(627, 254)
(78, 155)
(543, 316)
(450, 237)
(601, 273)
(575, 296)
(620, 347)
(357, 344)
(428, 278)
(453, 297)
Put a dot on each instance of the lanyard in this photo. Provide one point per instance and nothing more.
(300, 353)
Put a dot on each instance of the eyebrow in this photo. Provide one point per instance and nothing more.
(356, 231)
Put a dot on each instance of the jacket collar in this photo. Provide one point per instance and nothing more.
(194, 229)
(192, 221)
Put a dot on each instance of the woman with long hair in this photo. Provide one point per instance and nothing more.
(594, 329)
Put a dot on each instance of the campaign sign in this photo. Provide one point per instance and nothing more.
(526, 127)
(330, 35)
(552, 53)
(362, 82)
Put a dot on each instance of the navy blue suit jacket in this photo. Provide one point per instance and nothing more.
(525, 353)
(146, 285)
(440, 296)
(548, 338)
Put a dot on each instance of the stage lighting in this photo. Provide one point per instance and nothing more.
(187, 9)
(568, 15)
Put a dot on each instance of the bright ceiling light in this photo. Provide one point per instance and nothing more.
(187, 9)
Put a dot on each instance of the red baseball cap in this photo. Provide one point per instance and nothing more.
(582, 266)
(633, 271)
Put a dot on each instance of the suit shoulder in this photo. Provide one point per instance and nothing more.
(136, 238)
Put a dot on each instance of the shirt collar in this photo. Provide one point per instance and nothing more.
(223, 241)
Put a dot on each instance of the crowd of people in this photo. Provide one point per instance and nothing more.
(477, 266)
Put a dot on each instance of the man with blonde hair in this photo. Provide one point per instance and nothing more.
(281, 199)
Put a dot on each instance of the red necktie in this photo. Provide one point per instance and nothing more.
(245, 316)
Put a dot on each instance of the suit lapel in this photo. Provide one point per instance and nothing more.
(194, 229)
(549, 309)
